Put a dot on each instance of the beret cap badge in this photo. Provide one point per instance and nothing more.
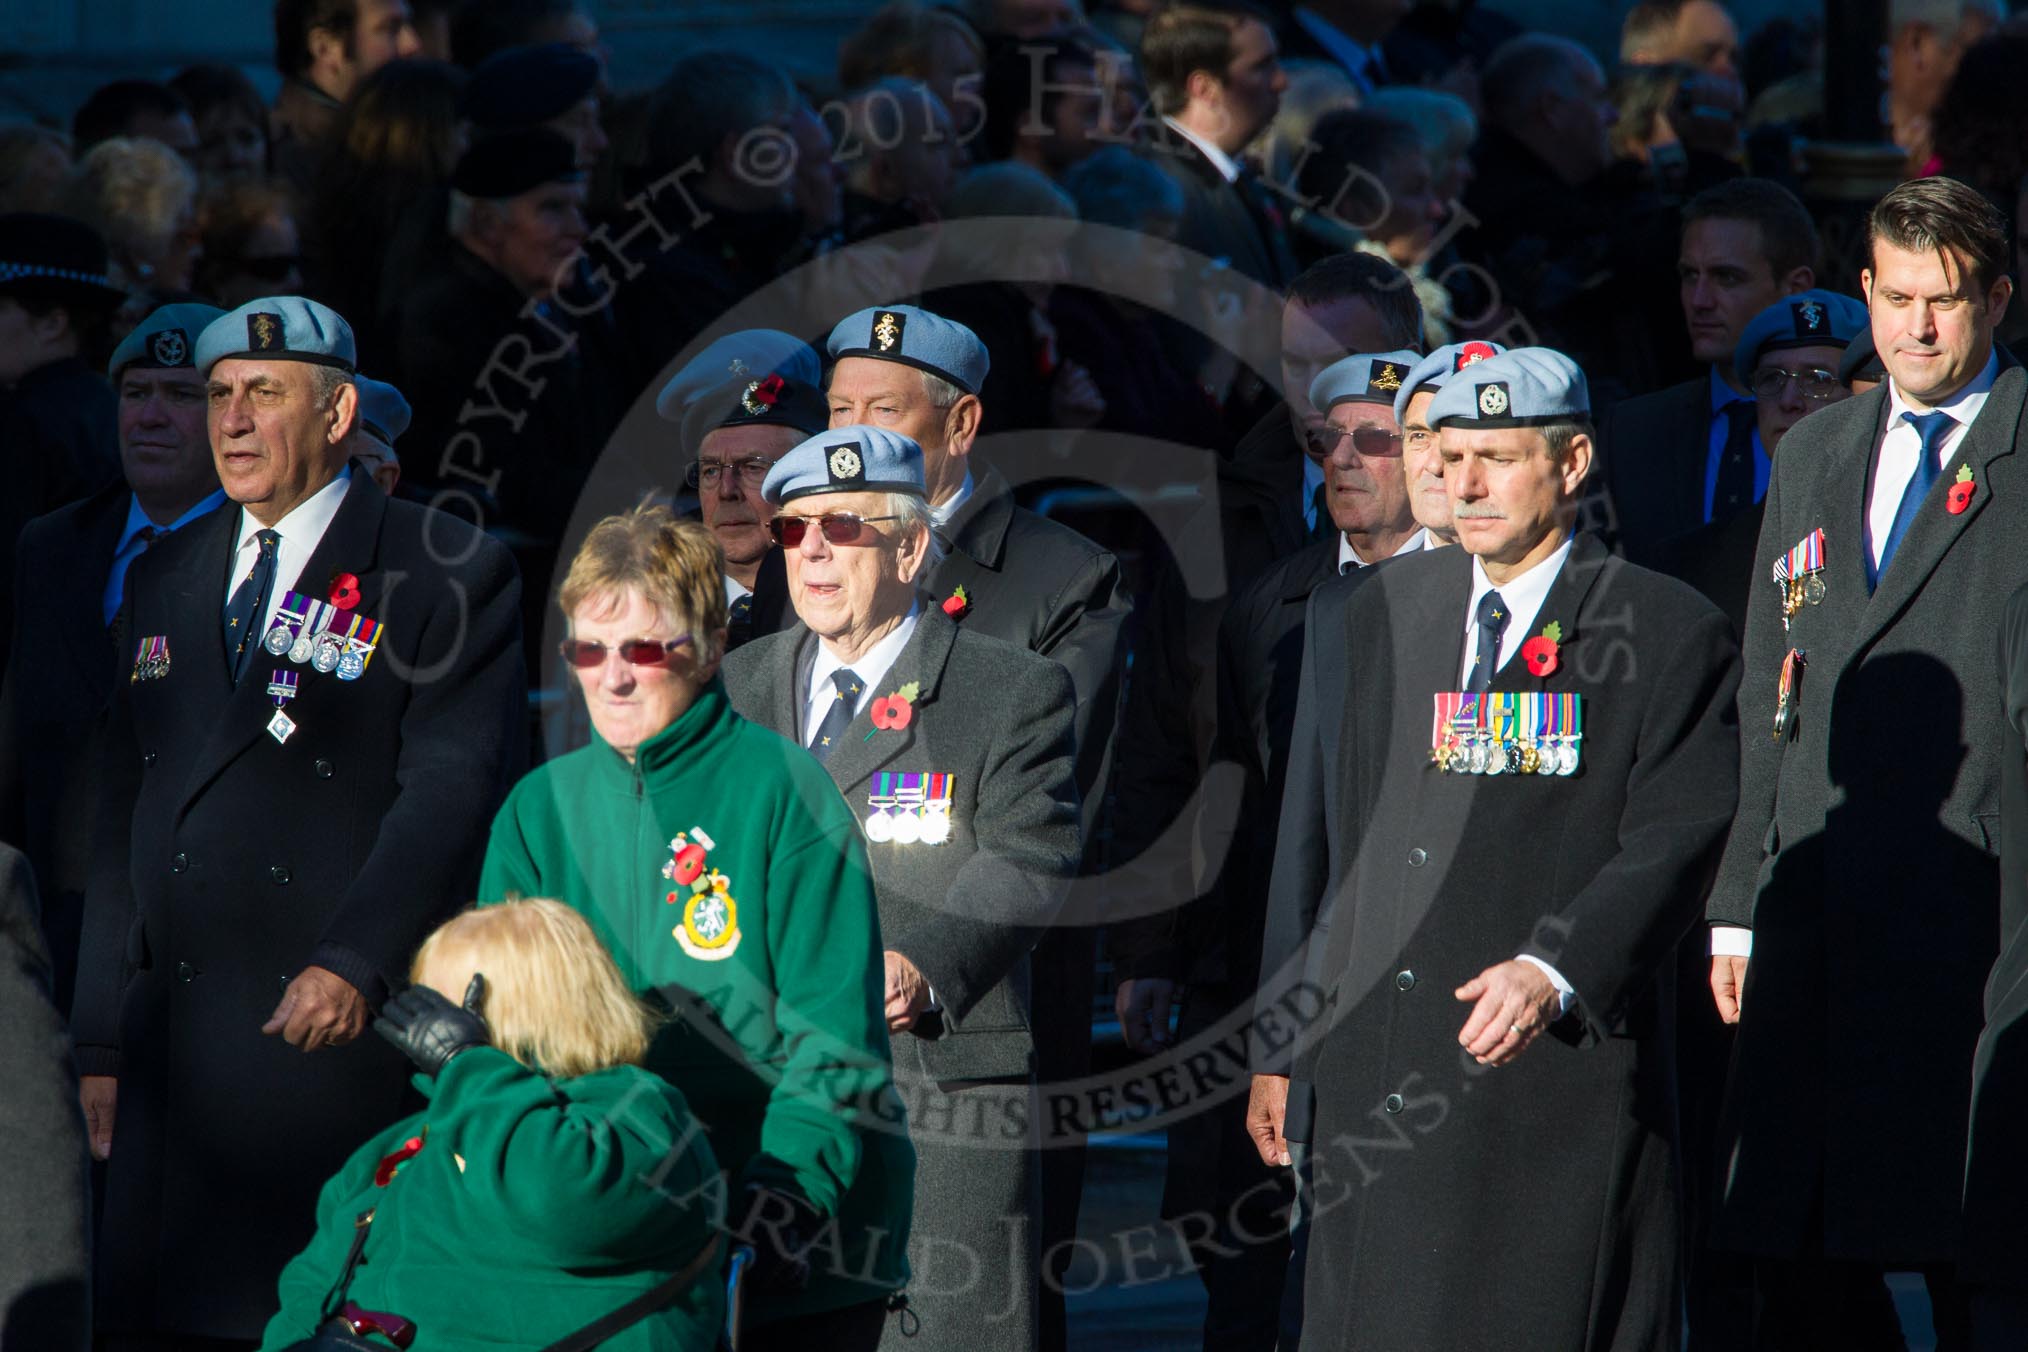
(1386, 376)
(170, 347)
(263, 331)
(887, 327)
(845, 461)
(1809, 317)
(1493, 401)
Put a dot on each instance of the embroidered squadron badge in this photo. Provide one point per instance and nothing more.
(709, 930)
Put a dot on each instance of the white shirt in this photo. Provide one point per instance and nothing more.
(302, 530)
(940, 517)
(1348, 557)
(130, 547)
(1222, 162)
(733, 590)
(871, 669)
(1895, 463)
(1523, 596)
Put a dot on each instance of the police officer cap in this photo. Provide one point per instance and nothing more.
(167, 338)
(383, 412)
(1435, 371)
(1814, 318)
(1860, 361)
(57, 258)
(1365, 377)
(505, 164)
(754, 377)
(1522, 387)
(913, 337)
(527, 86)
(856, 459)
(279, 328)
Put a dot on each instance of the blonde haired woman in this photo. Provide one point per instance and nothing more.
(719, 863)
(551, 1188)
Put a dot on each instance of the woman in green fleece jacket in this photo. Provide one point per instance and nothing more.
(721, 867)
(510, 1212)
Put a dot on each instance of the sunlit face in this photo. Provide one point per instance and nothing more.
(271, 444)
(1314, 336)
(1365, 490)
(1724, 280)
(730, 501)
(629, 704)
(165, 447)
(1508, 498)
(1816, 367)
(1422, 467)
(889, 395)
(1932, 323)
(844, 591)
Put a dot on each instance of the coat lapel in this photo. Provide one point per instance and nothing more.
(92, 650)
(1564, 604)
(921, 660)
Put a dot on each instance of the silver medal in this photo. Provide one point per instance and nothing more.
(324, 653)
(351, 667)
(1813, 590)
(280, 726)
(1496, 759)
(1566, 758)
(907, 828)
(299, 651)
(936, 827)
(880, 827)
(278, 640)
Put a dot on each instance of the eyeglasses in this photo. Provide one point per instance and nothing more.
(587, 653)
(840, 528)
(1321, 442)
(1771, 382)
(752, 470)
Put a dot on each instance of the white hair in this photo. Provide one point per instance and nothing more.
(910, 512)
(940, 392)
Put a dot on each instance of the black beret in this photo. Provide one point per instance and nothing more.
(506, 164)
(527, 86)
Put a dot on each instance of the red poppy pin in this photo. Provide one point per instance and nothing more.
(391, 1165)
(1960, 496)
(895, 712)
(344, 590)
(1541, 651)
(958, 605)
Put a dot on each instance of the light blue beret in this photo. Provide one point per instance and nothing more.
(857, 459)
(279, 328)
(166, 338)
(913, 337)
(383, 413)
(1364, 377)
(1814, 318)
(1435, 371)
(754, 376)
(1522, 387)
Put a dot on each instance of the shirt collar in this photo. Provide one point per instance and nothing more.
(1723, 394)
(138, 520)
(940, 517)
(1346, 554)
(733, 590)
(1222, 162)
(1525, 594)
(1963, 406)
(307, 520)
(873, 663)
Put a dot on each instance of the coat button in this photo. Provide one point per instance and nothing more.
(1417, 857)
(185, 972)
(323, 769)
(179, 863)
(1405, 980)
(278, 874)
(148, 761)
(1394, 1103)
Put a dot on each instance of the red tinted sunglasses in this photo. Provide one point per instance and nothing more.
(840, 528)
(639, 652)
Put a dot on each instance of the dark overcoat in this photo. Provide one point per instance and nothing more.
(1554, 1170)
(229, 861)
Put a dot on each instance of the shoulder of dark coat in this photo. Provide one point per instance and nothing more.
(1038, 540)
(1665, 405)
(1655, 601)
(981, 662)
(450, 546)
(748, 668)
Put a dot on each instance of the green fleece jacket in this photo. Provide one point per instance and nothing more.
(728, 878)
(521, 1217)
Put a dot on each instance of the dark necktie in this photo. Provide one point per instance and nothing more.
(1492, 620)
(1323, 528)
(1932, 428)
(249, 602)
(739, 620)
(1734, 490)
(844, 699)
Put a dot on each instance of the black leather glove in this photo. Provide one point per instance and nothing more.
(429, 1029)
(780, 1227)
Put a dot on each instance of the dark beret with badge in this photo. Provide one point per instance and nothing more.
(756, 377)
(505, 164)
(1814, 318)
(383, 410)
(57, 260)
(1522, 387)
(165, 340)
(1435, 371)
(914, 337)
(1363, 378)
(528, 86)
(1861, 361)
(279, 328)
(856, 459)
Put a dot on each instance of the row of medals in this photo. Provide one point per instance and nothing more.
(906, 827)
(1797, 590)
(325, 652)
(1483, 755)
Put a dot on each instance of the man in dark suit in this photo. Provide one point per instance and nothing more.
(45, 1196)
(1692, 453)
(1497, 883)
(959, 748)
(72, 565)
(1860, 873)
(321, 710)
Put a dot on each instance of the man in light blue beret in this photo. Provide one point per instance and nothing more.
(383, 417)
(740, 404)
(1359, 450)
(956, 752)
(1789, 356)
(1496, 903)
(1421, 462)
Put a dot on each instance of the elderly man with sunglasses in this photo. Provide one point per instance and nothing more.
(955, 751)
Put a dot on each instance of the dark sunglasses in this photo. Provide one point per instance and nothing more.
(840, 528)
(1320, 442)
(269, 267)
(640, 652)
